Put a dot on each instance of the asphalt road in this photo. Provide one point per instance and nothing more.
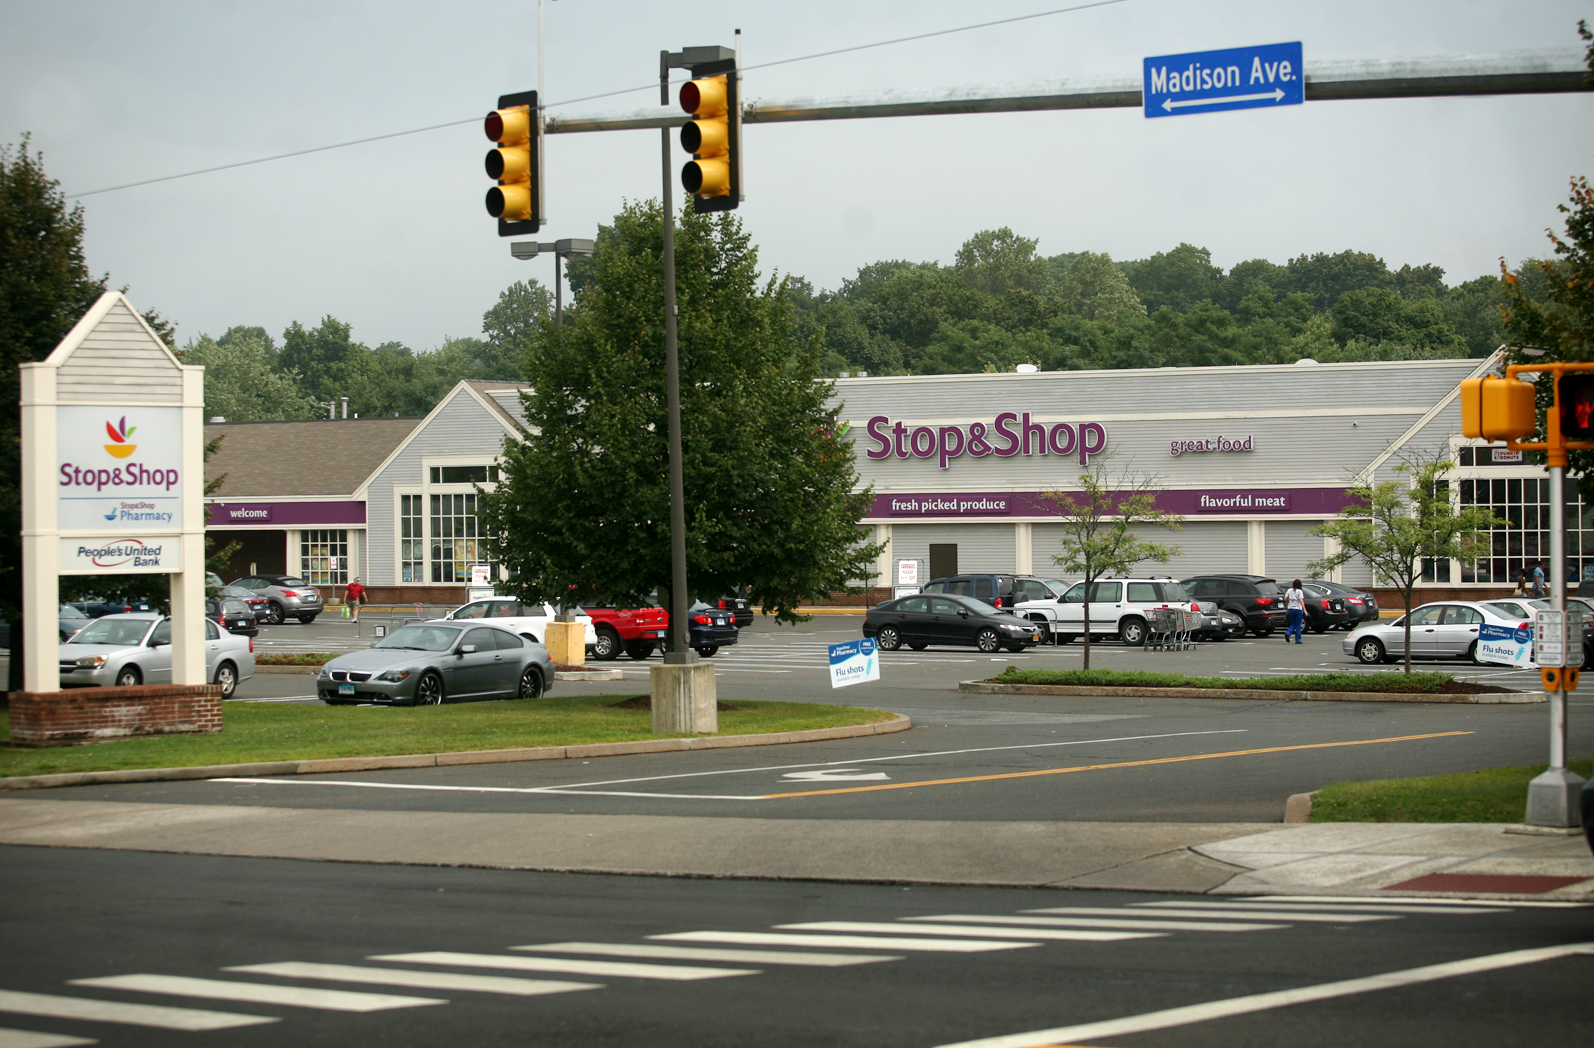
(124, 948)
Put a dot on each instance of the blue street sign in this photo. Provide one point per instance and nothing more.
(1236, 78)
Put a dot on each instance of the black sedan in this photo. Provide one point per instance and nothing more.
(1360, 606)
(709, 629)
(94, 607)
(923, 619)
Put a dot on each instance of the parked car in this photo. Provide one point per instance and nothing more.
(1324, 611)
(430, 663)
(94, 607)
(1118, 608)
(1521, 607)
(1361, 605)
(527, 619)
(924, 619)
(740, 608)
(1439, 630)
(69, 621)
(232, 614)
(709, 629)
(131, 648)
(1255, 598)
(635, 631)
(1216, 623)
(999, 591)
(259, 607)
(287, 595)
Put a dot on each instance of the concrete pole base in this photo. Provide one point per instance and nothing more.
(1552, 799)
(566, 643)
(683, 698)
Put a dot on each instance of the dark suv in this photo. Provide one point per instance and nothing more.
(999, 591)
(1255, 598)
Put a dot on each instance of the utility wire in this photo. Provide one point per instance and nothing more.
(590, 98)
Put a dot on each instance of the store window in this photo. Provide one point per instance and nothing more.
(482, 474)
(1524, 504)
(324, 557)
(455, 542)
(412, 539)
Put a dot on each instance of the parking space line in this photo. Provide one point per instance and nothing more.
(259, 993)
(1119, 764)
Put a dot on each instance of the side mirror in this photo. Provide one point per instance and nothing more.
(1062, 600)
(963, 613)
(467, 649)
(158, 643)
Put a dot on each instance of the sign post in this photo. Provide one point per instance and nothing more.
(112, 479)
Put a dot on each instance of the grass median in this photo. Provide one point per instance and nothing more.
(1401, 683)
(283, 731)
(1495, 795)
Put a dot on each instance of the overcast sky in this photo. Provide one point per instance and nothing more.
(393, 238)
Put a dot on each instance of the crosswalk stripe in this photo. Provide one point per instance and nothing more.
(418, 980)
(1148, 922)
(1189, 910)
(1385, 902)
(116, 1012)
(861, 942)
(29, 1039)
(704, 953)
(258, 993)
(674, 972)
(888, 928)
(1319, 907)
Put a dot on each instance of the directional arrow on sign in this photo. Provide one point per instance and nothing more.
(834, 775)
(1277, 95)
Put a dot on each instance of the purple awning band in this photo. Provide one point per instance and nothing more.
(1198, 502)
(284, 514)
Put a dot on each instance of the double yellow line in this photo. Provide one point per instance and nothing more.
(1119, 764)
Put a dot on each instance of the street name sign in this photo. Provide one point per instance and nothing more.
(1258, 77)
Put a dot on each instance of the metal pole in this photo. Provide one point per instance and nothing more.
(558, 295)
(679, 652)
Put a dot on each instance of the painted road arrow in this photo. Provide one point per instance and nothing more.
(835, 775)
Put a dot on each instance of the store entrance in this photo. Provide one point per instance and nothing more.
(943, 559)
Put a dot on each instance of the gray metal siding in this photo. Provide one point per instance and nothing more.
(1290, 548)
(981, 547)
(1205, 548)
(461, 427)
(119, 360)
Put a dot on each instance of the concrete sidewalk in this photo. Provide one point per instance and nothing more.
(1384, 860)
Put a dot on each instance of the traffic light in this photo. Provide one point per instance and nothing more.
(516, 201)
(713, 136)
(1498, 408)
(1576, 394)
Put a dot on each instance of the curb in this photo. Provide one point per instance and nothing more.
(1298, 808)
(980, 687)
(326, 765)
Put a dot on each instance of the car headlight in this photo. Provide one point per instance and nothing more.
(395, 676)
(91, 662)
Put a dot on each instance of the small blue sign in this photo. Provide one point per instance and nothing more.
(853, 662)
(1237, 78)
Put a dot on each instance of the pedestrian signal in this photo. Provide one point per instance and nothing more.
(1498, 408)
(1576, 394)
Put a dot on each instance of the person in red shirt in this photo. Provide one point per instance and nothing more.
(354, 596)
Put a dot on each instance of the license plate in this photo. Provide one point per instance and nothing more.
(657, 634)
(345, 689)
(1036, 638)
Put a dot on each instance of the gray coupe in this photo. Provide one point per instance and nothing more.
(430, 663)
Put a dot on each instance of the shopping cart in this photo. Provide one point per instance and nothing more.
(1169, 629)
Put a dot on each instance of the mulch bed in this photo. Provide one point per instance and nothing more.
(645, 702)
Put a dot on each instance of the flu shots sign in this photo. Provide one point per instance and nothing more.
(853, 662)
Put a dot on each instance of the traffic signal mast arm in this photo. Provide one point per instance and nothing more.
(1496, 408)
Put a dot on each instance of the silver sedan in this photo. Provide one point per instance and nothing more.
(1441, 630)
(136, 648)
(430, 663)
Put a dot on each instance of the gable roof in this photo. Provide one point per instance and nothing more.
(286, 459)
(503, 398)
(111, 354)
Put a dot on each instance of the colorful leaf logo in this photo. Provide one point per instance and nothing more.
(119, 433)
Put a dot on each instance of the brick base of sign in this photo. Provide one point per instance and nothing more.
(78, 715)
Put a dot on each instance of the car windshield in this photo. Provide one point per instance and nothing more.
(420, 638)
(112, 631)
(69, 612)
(291, 583)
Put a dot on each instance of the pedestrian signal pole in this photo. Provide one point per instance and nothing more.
(1496, 408)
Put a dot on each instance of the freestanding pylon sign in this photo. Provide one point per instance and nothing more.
(112, 479)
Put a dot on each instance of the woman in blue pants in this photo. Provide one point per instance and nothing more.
(1295, 604)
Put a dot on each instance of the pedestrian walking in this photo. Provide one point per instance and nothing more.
(1539, 588)
(1295, 604)
(1522, 584)
(354, 596)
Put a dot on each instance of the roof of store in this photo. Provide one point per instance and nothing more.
(285, 459)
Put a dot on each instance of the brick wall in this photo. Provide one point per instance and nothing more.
(413, 594)
(98, 714)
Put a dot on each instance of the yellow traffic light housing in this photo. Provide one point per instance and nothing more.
(713, 136)
(1497, 408)
(516, 165)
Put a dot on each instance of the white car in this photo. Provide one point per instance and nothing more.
(136, 648)
(1446, 629)
(1118, 608)
(528, 620)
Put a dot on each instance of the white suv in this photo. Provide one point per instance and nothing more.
(528, 620)
(1118, 608)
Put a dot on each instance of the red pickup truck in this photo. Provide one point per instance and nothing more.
(636, 631)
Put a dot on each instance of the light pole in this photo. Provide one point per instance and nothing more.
(561, 249)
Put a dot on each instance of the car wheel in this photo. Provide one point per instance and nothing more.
(1319, 629)
(1268, 632)
(531, 683)
(1588, 658)
(889, 639)
(1064, 638)
(918, 647)
(227, 677)
(708, 651)
(1133, 632)
(607, 645)
(639, 650)
(307, 619)
(987, 641)
(129, 677)
(1472, 655)
(429, 692)
(274, 614)
(1369, 650)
